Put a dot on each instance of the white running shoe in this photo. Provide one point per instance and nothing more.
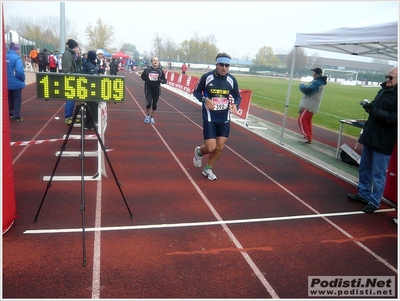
(303, 140)
(147, 119)
(197, 159)
(209, 174)
(152, 120)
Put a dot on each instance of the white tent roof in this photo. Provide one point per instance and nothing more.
(376, 41)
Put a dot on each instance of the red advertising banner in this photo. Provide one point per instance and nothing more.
(244, 104)
(187, 84)
(182, 82)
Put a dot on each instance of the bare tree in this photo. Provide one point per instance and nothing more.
(170, 49)
(43, 29)
(301, 59)
(157, 45)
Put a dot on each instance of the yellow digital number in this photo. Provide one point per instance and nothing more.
(69, 90)
(81, 91)
(106, 89)
(118, 86)
(45, 82)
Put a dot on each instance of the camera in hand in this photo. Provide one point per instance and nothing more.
(363, 102)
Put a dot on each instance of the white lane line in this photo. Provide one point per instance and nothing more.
(233, 238)
(380, 259)
(37, 134)
(97, 245)
(201, 224)
(344, 232)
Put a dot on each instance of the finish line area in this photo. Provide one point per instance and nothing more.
(200, 224)
(270, 220)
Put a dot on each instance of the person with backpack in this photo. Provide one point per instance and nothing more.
(152, 76)
(52, 62)
(114, 66)
(43, 60)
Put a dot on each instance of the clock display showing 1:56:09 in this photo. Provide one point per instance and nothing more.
(80, 87)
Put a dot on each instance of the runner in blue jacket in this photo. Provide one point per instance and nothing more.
(219, 92)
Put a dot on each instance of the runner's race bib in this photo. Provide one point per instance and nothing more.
(153, 77)
(220, 103)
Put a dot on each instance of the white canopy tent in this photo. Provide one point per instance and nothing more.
(375, 41)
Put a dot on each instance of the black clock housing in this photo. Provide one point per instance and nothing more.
(80, 87)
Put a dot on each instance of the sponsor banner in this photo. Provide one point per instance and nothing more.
(351, 286)
(188, 83)
(182, 82)
(244, 104)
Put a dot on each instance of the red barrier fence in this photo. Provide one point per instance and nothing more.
(9, 204)
(390, 191)
(187, 84)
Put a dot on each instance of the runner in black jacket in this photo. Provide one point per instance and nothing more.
(152, 76)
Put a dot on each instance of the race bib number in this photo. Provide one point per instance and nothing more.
(220, 103)
(153, 77)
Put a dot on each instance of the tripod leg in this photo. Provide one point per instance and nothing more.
(89, 115)
(82, 157)
(58, 161)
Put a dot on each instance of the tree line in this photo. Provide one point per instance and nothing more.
(197, 49)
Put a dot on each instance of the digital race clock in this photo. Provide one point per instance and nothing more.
(80, 87)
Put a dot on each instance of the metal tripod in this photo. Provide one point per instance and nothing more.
(82, 107)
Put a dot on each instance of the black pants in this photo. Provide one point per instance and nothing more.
(152, 99)
(93, 106)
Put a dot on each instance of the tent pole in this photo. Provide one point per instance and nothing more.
(288, 93)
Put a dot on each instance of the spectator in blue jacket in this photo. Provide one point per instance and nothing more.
(310, 103)
(15, 82)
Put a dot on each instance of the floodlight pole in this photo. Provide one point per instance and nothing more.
(62, 27)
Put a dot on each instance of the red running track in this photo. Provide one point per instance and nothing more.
(268, 222)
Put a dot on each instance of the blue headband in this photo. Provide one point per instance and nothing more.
(224, 60)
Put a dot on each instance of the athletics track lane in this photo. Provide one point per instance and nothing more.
(259, 186)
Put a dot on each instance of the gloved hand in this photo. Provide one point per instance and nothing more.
(163, 81)
(370, 108)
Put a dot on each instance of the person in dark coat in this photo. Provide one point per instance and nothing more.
(71, 63)
(90, 67)
(379, 137)
(43, 60)
(114, 66)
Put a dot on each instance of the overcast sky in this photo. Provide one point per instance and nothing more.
(241, 28)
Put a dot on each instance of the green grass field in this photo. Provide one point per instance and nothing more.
(338, 102)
